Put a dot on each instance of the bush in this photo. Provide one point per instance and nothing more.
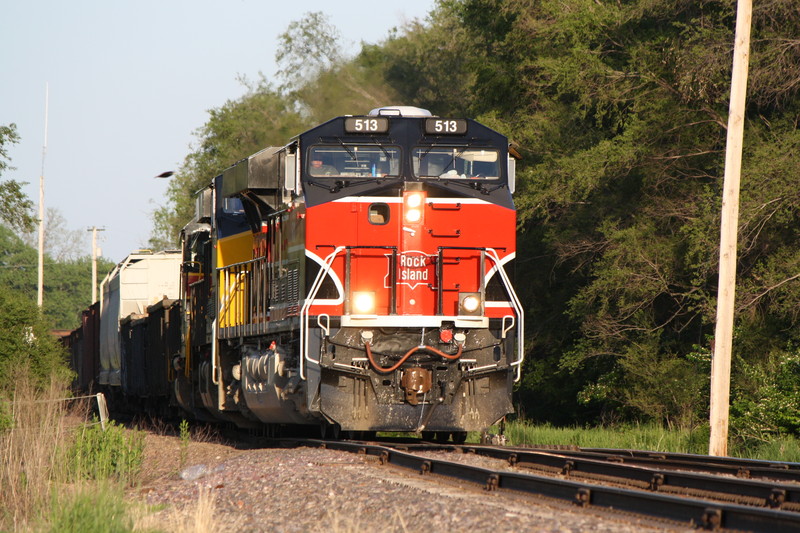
(114, 453)
(766, 399)
(26, 343)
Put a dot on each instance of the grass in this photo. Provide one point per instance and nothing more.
(185, 436)
(199, 517)
(98, 507)
(60, 473)
(33, 459)
(650, 437)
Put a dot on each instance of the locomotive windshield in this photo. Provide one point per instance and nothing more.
(456, 163)
(353, 161)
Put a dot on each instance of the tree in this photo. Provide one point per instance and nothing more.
(67, 287)
(317, 83)
(60, 242)
(429, 65)
(308, 47)
(262, 117)
(26, 343)
(15, 207)
(619, 109)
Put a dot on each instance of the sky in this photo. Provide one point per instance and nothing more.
(126, 83)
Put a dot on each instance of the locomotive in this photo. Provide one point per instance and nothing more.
(355, 279)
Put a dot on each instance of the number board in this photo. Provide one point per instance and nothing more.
(366, 125)
(445, 126)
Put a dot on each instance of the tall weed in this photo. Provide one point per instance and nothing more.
(30, 446)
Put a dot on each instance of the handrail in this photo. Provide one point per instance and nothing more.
(492, 254)
(516, 304)
(325, 269)
(239, 284)
(312, 293)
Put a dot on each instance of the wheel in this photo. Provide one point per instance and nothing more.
(428, 435)
(459, 437)
(442, 436)
(325, 430)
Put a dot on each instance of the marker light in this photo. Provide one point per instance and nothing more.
(364, 303)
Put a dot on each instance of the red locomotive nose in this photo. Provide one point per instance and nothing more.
(446, 335)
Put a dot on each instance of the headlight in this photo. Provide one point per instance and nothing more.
(413, 203)
(414, 200)
(413, 215)
(364, 303)
(469, 303)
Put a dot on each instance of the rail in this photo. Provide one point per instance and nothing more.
(517, 307)
(701, 476)
(689, 511)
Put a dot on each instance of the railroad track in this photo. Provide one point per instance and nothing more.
(689, 490)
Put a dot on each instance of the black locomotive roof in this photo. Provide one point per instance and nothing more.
(407, 133)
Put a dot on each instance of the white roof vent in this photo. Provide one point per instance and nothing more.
(400, 111)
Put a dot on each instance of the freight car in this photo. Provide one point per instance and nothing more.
(354, 279)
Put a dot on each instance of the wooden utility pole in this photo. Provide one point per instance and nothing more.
(726, 292)
(40, 271)
(94, 230)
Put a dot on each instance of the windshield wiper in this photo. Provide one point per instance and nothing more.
(339, 184)
(476, 185)
(353, 154)
(452, 159)
(385, 152)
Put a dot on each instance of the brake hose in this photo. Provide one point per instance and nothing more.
(386, 370)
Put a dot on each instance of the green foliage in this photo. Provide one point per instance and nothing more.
(115, 453)
(619, 110)
(427, 65)
(26, 343)
(262, 117)
(646, 437)
(16, 209)
(67, 283)
(766, 398)
(90, 509)
(185, 437)
(6, 416)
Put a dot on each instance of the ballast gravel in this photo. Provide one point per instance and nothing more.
(313, 489)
